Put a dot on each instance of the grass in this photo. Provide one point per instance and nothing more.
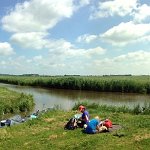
(12, 102)
(47, 132)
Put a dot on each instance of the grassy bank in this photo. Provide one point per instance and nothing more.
(128, 84)
(47, 132)
(12, 102)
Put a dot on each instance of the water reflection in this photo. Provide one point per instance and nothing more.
(45, 98)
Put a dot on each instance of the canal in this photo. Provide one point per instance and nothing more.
(65, 99)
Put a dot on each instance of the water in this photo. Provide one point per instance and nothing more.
(65, 99)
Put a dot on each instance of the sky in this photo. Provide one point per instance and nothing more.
(75, 37)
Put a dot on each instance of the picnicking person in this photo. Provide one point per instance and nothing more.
(85, 117)
(97, 126)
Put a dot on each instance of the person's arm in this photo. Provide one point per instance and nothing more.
(87, 118)
(97, 127)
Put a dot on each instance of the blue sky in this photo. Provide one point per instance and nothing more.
(85, 37)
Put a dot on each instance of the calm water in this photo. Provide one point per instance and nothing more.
(65, 99)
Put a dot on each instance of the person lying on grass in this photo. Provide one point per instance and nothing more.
(95, 126)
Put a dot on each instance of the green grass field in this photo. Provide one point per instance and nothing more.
(47, 132)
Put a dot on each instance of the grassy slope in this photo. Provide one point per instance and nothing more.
(11, 101)
(47, 132)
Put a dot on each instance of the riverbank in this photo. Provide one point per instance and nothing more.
(14, 102)
(47, 132)
(123, 84)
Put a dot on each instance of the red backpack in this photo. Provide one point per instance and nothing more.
(107, 123)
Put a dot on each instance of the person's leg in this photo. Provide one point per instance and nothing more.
(102, 129)
(91, 132)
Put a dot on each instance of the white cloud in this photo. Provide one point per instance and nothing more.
(31, 20)
(37, 58)
(87, 38)
(142, 13)
(126, 33)
(61, 57)
(131, 63)
(58, 49)
(3, 63)
(61, 47)
(40, 15)
(95, 52)
(65, 49)
(145, 39)
(83, 3)
(114, 7)
(6, 49)
(134, 57)
(37, 15)
(34, 40)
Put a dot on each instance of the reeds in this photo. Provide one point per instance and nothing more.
(124, 84)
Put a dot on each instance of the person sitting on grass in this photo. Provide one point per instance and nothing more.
(85, 116)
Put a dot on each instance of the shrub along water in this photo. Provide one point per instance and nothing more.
(129, 84)
(145, 110)
(12, 102)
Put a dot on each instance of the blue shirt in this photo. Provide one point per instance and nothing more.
(85, 113)
(91, 127)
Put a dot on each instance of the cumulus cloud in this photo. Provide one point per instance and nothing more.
(6, 49)
(131, 63)
(115, 7)
(39, 15)
(142, 13)
(97, 51)
(66, 63)
(82, 3)
(59, 46)
(87, 38)
(126, 33)
(3, 62)
(37, 58)
(65, 49)
(36, 40)
(58, 61)
(134, 56)
(139, 12)
(30, 21)
(56, 47)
